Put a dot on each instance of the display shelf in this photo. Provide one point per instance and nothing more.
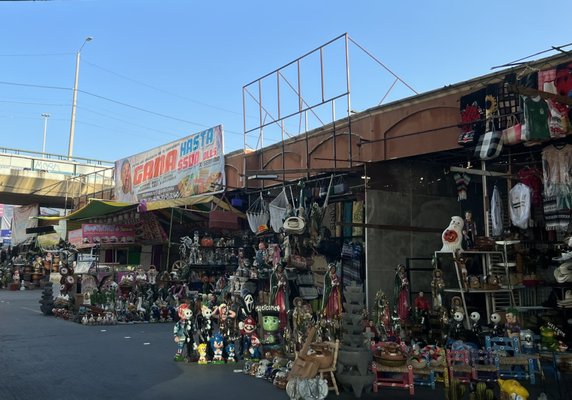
(472, 252)
(453, 290)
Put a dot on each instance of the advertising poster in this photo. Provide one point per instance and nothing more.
(107, 234)
(183, 168)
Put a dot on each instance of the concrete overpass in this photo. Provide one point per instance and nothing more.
(51, 180)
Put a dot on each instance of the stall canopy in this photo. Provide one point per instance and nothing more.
(98, 208)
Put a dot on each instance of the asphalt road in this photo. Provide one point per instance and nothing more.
(48, 358)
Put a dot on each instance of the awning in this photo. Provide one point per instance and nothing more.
(98, 208)
(95, 208)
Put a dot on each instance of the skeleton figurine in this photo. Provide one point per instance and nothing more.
(497, 328)
(475, 323)
(183, 332)
(457, 330)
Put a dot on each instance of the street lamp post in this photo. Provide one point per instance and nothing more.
(74, 102)
(46, 116)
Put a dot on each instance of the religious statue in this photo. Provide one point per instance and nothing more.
(332, 299)
(279, 293)
(437, 288)
(401, 293)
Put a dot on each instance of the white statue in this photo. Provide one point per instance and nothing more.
(452, 237)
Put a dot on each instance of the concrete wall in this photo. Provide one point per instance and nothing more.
(406, 215)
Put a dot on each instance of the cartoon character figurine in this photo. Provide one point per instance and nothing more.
(183, 332)
(476, 325)
(202, 350)
(457, 329)
(270, 324)
(230, 354)
(224, 315)
(511, 326)
(254, 350)
(217, 345)
(205, 324)
(497, 328)
(452, 237)
(247, 329)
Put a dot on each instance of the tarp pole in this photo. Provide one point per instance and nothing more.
(169, 243)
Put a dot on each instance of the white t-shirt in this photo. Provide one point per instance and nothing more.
(496, 213)
(519, 205)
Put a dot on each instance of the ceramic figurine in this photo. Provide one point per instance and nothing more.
(401, 293)
(230, 353)
(452, 237)
(247, 329)
(437, 289)
(512, 389)
(279, 293)
(469, 230)
(270, 325)
(476, 325)
(202, 350)
(457, 329)
(511, 326)
(224, 315)
(527, 341)
(254, 350)
(183, 332)
(332, 299)
(205, 324)
(217, 345)
(497, 328)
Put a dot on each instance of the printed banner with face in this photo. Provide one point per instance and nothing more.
(183, 168)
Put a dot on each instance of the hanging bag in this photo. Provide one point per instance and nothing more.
(513, 133)
(490, 143)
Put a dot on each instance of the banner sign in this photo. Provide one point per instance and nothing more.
(183, 168)
(75, 237)
(107, 234)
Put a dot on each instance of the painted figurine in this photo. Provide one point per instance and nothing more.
(270, 325)
(217, 345)
(401, 293)
(332, 299)
(183, 332)
(457, 330)
(511, 326)
(205, 324)
(202, 350)
(247, 330)
(469, 230)
(279, 293)
(497, 328)
(475, 323)
(254, 350)
(452, 236)
(225, 317)
(230, 353)
(437, 289)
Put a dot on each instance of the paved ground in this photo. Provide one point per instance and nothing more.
(51, 359)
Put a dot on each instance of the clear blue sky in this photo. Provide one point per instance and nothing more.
(188, 60)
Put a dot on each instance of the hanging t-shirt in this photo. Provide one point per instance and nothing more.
(519, 205)
(530, 176)
(536, 113)
(556, 170)
(496, 213)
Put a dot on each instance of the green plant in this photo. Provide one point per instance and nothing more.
(481, 392)
(455, 391)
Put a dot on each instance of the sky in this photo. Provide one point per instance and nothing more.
(157, 71)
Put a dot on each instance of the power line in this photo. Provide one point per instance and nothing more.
(116, 102)
(159, 89)
(36, 55)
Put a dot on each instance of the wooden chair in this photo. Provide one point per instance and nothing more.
(329, 371)
(391, 376)
(459, 365)
(512, 363)
(485, 365)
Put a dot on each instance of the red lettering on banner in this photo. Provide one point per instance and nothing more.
(155, 168)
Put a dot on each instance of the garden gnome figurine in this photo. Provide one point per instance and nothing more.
(452, 237)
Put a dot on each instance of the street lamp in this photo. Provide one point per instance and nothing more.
(46, 116)
(74, 102)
